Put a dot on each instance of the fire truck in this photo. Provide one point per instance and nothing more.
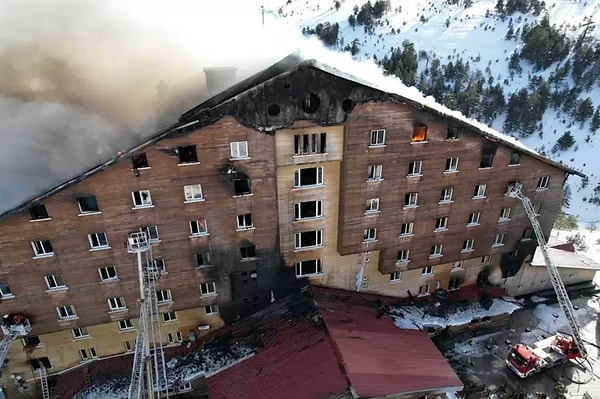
(527, 360)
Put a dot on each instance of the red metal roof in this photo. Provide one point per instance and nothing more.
(380, 358)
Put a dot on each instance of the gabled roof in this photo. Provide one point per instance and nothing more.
(338, 65)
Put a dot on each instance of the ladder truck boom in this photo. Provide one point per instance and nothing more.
(13, 327)
(522, 359)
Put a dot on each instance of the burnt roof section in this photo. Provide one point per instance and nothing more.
(364, 90)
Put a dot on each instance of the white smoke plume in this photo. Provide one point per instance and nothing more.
(81, 80)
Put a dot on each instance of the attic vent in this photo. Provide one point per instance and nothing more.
(311, 103)
(273, 109)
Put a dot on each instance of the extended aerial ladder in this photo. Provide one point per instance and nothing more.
(526, 361)
(13, 327)
(149, 371)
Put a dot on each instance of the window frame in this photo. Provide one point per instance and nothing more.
(239, 150)
(424, 290)
(451, 165)
(310, 144)
(427, 271)
(498, 240)
(377, 138)
(69, 310)
(244, 218)
(141, 159)
(298, 240)
(107, 269)
(298, 210)
(193, 159)
(468, 245)
(97, 236)
(408, 200)
(151, 233)
(512, 159)
(119, 304)
(441, 224)
(370, 234)
(395, 276)
(372, 205)
(204, 255)
(163, 296)
(505, 214)
(171, 316)
(479, 192)
(415, 169)
(437, 251)
(93, 210)
(125, 325)
(319, 177)
(410, 229)
(36, 216)
(419, 134)
(83, 333)
(446, 195)
(474, 219)
(174, 338)
(543, 183)
(210, 288)
(5, 292)
(454, 284)
(248, 252)
(42, 253)
(375, 173)
(403, 256)
(211, 309)
(190, 193)
(458, 265)
(198, 223)
(87, 354)
(57, 287)
(300, 265)
(486, 260)
(142, 199)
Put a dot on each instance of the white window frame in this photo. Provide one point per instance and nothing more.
(318, 239)
(403, 256)
(69, 311)
(163, 296)
(408, 231)
(195, 230)
(80, 333)
(87, 354)
(310, 144)
(370, 234)
(174, 338)
(97, 236)
(377, 138)
(105, 270)
(480, 191)
(169, 316)
(208, 289)
(375, 173)
(395, 277)
(211, 309)
(486, 259)
(543, 183)
(151, 233)
(125, 325)
(204, 255)
(474, 219)
(141, 199)
(52, 282)
(38, 249)
(160, 265)
(427, 271)
(454, 284)
(468, 245)
(505, 214)
(318, 268)
(451, 165)
(90, 212)
(372, 205)
(415, 169)
(436, 251)
(298, 177)
(446, 196)
(239, 150)
(413, 200)
(193, 193)
(242, 222)
(498, 240)
(5, 292)
(441, 223)
(458, 265)
(129, 346)
(116, 304)
(424, 290)
(298, 210)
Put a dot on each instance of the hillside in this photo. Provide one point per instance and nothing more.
(478, 56)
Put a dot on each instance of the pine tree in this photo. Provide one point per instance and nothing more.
(595, 125)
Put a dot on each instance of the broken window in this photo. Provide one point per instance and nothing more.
(239, 149)
(141, 199)
(309, 239)
(33, 340)
(241, 186)
(88, 204)
(108, 273)
(307, 177)
(410, 200)
(372, 205)
(5, 291)
(211, 309)
(403, 256)
(543, 183)
(454, 284)
(395, 276)
(436, 251)
(498, 240)
(198, 227)
(42, 362)
(38, 212)
(505, 214)
(309, 268)
(424, 289)
(42, 248)
(248, 251)
(163, 296)
(406, 229)
(511, 185)
(515, 158)
(193, 192)
(527, 234)
(98, 241)
(125, 324)
(370, 234)
(375, 173)
(55, 281)
(446, 195)
(377, 137)
(187, 154)
(468, 245)
(474, 219)
(487, 156)
(414, 168)
(452, 133)
(116, 303)
(244, 222)
(139, 161)
(479, 191)
(207, 289)
(441, 223)
(419, 134)
(307, 144)
(66, 312)
(203, 259)
(452, 164)
(308, 210)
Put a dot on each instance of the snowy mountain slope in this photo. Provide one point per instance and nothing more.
(476, 34)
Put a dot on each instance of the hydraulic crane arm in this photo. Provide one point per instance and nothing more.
(5, 344)
(557, 283)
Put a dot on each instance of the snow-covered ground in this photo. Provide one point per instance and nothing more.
(477, 35)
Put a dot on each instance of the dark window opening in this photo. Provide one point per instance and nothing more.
(273, 109)
(454, 284)
(32, 341)
(241, 186)
(187, 154)
(347, 105)
(515, 158)
(527, 234)
(38, 211)
(419, 133)
(311, 103)
(308, 209)
(306, 144)
(452, 133)
(308, 176)
(139, 161)
(203, 259)
(487, 157)
(88, 204)
(511, 184)
(248, 252)
(40, 362)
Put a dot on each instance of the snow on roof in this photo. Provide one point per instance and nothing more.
(414, 317)
(565, 259)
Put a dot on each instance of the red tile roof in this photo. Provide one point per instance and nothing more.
(380, 358)
(297, 359)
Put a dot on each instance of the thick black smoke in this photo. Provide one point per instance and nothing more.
(81, 80)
